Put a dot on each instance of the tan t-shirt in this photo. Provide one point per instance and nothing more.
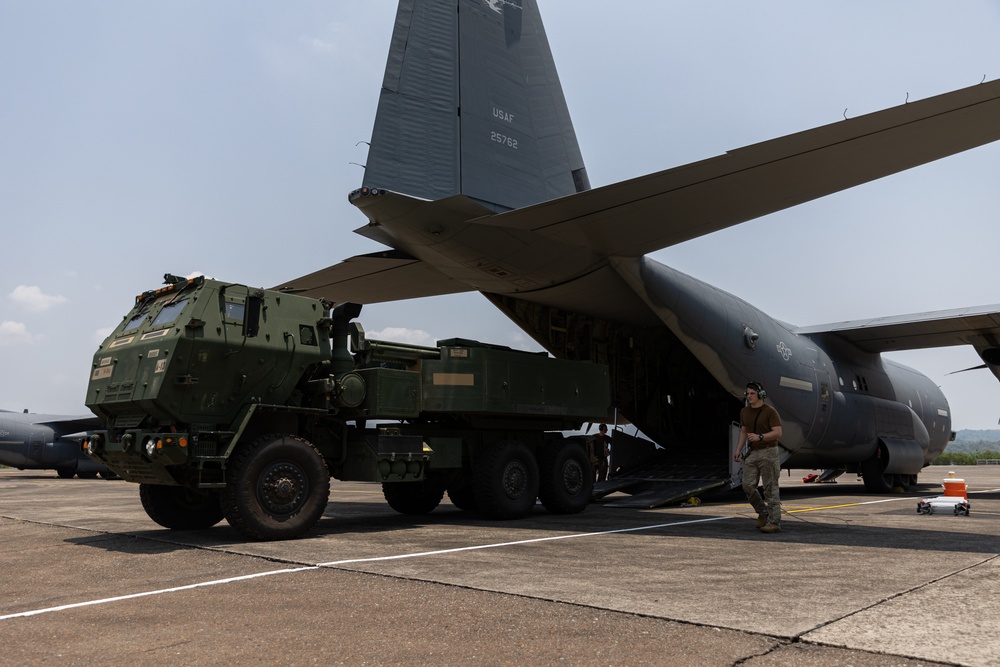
(759, 420)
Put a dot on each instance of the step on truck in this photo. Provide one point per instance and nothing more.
(226, 401)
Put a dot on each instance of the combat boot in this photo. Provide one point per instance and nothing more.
(761, 520)
(771, 528)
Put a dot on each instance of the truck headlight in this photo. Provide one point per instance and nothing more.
(149, 444)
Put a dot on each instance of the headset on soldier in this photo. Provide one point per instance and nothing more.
(757, 387)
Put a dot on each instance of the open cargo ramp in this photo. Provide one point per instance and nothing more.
(655, 476)
(663, 483)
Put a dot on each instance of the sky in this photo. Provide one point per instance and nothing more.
(223, 137)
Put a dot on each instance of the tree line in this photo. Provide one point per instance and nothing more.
(965, 458)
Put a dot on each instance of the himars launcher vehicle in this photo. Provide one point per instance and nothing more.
(475, 182)
(225, 401)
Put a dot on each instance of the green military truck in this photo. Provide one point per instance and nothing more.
(225, 401)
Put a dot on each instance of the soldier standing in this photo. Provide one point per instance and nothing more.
(760, 430)
(602, 449)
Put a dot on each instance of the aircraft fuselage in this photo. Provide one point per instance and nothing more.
(37, 442)
(838, 403)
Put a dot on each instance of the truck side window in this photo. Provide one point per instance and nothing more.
(307, 335)
(234, 310)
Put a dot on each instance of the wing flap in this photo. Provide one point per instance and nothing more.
(659, 210)
(373, 278)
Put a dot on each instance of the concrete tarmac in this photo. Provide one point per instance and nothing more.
(853, 579)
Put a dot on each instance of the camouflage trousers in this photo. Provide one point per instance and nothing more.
(763, 465)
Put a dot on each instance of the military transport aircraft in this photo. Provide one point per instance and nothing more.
(475, 181)
(30, 441)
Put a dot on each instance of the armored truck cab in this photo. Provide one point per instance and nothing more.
(224, 401)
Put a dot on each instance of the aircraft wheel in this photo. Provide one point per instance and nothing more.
(90, 474)
(567, 478)
(462, 497)
(180, 507)
(278, 488)
(875, 480)
(108, 474)
(901, 481)
(413, 498)
(65, 473)
(506, 480)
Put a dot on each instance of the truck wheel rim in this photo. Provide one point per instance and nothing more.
(281, 488)
(515, 479)
(573, 477)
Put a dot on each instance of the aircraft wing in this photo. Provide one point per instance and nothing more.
(644, 214)
(63, 425)
(979, 327)
(380, 276)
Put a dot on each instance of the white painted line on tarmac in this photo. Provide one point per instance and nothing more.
(132, 596)
(420, 554)
(246, 577)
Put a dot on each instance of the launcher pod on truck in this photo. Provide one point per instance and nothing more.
(224, 401)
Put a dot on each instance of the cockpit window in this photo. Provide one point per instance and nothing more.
(170, 312)
(134, 323)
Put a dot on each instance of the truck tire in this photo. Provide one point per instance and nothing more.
(180, 507)
(463, 497)
(505, 480)
(567, 478)
(413, 498)
(277, 489)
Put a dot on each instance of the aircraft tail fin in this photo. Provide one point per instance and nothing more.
(471, 104)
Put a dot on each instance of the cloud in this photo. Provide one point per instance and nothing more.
(316, 45)
(32, 298)
(14, 333)
(314, 58)
(402, 335)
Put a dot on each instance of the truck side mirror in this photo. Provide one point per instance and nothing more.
(251, 315)
(357, 337)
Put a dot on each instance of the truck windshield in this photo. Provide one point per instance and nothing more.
(170, 312)
(134, 323)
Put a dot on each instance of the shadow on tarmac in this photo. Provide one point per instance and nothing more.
(937, 533)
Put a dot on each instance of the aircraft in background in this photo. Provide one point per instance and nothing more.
(475, 181)
(31, 441)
